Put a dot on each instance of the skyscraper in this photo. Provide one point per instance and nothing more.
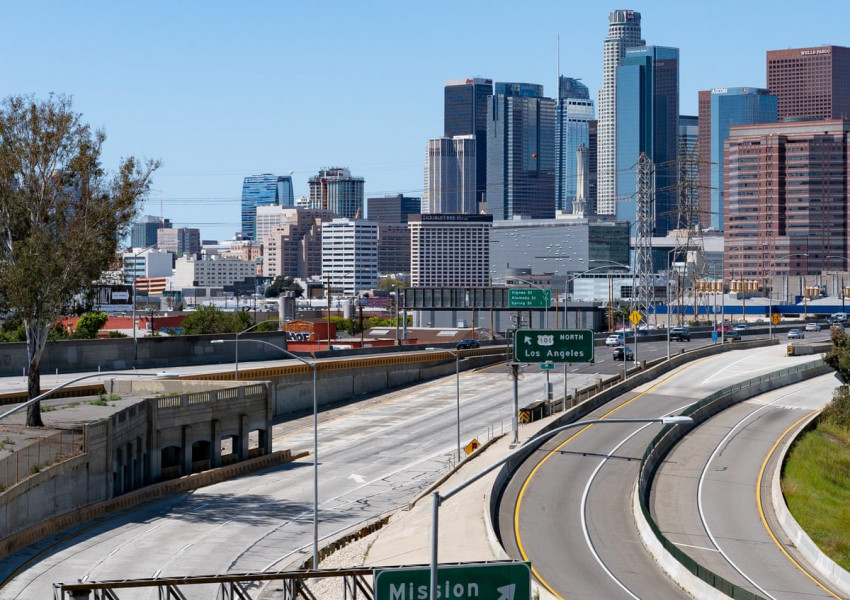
(350, 255)
(572, 122)
(143, 233)
(726, 107)
(450, 175)
(465, 113)
(263, 190)
(336, 190)
(449, 250)
(786, 204)
(623, 32)
(520, 152)
(810, 82)
(392, 209)
(648, 122)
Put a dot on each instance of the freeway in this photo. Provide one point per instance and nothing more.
(712, 495)
(375, 455)
(569, 511)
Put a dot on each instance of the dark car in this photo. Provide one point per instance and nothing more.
(467, 344)
(729, 335)
(681, 334)
(621, 351)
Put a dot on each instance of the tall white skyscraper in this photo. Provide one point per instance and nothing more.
(623, 32)
(450, 176)
(350, 255)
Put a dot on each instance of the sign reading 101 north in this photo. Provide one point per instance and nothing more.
(555, 345)
(491, 581)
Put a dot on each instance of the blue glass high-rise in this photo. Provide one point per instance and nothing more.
(572, 121)
(648, 122)
(264, 190)
(733, 106)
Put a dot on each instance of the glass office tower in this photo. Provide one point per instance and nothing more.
(263, 190)
(648, 122)
(572, 121)
(733, 106)
(520, 152)
(465, 113)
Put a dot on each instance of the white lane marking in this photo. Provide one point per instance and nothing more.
(722, 444)
(586, 492)
(357, 478)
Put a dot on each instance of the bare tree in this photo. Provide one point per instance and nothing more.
(61, 215)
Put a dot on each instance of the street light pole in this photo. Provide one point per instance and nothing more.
(457, 391)
(313, 365)
(438, 499)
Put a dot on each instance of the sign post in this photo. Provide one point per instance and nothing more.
(491, 581)
(553, 345)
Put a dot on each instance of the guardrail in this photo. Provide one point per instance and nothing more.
(670, 435)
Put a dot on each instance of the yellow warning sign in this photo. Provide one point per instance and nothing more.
(472, 446)
(635, 317)
(525, 416)
(775, 318)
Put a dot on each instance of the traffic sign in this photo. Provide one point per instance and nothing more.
(553, 345)
(529, 298)
(635, 317)
(491, 581)
(547, 366)
(775, 318)
(472, 446)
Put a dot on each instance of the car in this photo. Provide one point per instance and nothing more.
(681, 334)
(729, 335)
(796, 334)
(812, 326)
(467, 345)
(724, 327)
(623, 351)
(614, 340)
(741, 327)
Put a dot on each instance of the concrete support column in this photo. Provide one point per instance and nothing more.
(215, 442)
(242, 451)
(186, 450)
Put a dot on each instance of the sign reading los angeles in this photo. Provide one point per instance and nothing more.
(553, 345)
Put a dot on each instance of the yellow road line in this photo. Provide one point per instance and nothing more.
(761, 508)
(556, 450)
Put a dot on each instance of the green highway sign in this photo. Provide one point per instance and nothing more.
(529, 298)
(553, 345)
(491, 581)
(547, 366)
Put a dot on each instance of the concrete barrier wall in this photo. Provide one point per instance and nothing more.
(55, 518)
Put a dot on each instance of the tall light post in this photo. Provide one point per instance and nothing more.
(236, 341)
(314, 366)
(770, 290)
(535, 443)
(133, 289)
(626, 267)
(457, 390)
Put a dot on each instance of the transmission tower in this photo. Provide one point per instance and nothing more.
(644, 294)
(689, 239)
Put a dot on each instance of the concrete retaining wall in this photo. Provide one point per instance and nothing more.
(83, 508)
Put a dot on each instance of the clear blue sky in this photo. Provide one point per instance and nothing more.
(221, 90)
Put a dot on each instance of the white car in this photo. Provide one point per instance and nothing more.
(614, 340)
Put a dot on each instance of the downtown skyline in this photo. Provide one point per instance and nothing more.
(220, 93)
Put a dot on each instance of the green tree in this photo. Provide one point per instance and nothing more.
(839, 356)
(89, 324)
(211, 320)
(284, 284)
(388, 284)
(61, 215)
